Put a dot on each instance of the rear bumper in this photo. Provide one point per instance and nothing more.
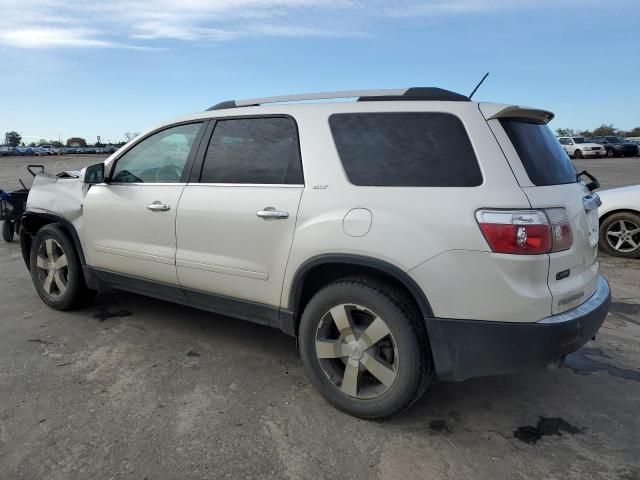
(473, 348)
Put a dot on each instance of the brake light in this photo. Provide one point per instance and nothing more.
(525, 232)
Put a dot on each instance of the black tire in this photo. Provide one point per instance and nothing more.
(611, 233)
(66, 289)
(406, 342)
(8, 230)
(611, 153)
(577, 154)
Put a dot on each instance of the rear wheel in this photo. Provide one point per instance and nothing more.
(620, 235)
(56, 271)
(365, 349)
(8, 230)
(577, 154)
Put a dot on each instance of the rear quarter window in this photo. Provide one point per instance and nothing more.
(543, 158)
(422, 149)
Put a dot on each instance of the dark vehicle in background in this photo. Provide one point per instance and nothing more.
(616, 146)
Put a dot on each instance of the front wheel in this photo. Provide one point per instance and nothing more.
(365, 348)
(620, 235)
(611, 153)
(577, 154)
(8, 230)
(56, 271)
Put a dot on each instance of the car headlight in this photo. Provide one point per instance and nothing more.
(587, 148)
(7, 208)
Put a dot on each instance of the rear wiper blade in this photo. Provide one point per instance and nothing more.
(593, 184)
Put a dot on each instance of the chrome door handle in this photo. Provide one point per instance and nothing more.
(157, 206)
(270, 212)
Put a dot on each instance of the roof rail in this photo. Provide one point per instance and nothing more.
(392, 94)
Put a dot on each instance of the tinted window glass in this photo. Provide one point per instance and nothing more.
(543, 158)
(253, 150)
(405, 150)
(160, 158)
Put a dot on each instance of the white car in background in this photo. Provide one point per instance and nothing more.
(620, 221)
(578, 147)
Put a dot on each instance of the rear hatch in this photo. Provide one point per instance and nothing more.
(549, 180)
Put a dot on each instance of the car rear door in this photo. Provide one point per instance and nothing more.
(129, 221)
(549, 180)
(236, 219)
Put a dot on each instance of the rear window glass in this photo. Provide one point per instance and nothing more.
(543, 158)
(405, 150)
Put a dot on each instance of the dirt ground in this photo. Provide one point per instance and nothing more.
(132, 387)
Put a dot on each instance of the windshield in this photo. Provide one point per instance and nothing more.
(578, 139)
(614, 139)
(542, 156)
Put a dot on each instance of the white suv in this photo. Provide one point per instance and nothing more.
(407, 236)
(578, 147)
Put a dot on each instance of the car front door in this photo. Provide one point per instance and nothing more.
(129, 221)
(236, 222)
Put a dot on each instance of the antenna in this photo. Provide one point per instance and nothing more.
(478, 85)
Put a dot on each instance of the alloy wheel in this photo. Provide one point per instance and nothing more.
(357, 351)
(623, 236)
(53, 268)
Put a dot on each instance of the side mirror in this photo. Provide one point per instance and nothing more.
(94, 174)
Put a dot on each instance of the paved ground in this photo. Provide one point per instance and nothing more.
(170, 392)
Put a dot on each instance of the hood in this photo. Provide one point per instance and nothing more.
(62, 194)
(588, 144)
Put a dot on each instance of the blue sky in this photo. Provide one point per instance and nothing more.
(79, 68)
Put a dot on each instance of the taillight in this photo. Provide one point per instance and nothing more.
(525, 232)
(561, 236)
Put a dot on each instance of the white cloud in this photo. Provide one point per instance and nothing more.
(158, 23)
(51, 37)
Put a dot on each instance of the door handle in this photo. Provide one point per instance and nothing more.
(158, 206)
(270, 212)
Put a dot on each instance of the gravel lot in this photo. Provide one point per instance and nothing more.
(169, 392)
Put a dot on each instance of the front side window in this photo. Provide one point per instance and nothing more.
(565, 141)
(407, 149)
(543, 158)
(160, 158)
(253, 150)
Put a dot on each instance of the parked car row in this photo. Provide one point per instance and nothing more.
(610, 146)
(44, 150)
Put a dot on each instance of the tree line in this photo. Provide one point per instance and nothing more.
(606, 129)
(14, 139)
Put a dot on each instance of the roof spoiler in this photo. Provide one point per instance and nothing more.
(517, 111)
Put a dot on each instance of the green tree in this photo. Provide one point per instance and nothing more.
(12, 139)
(605, 129)
(565, 132)
(585, 133)
(634, 132)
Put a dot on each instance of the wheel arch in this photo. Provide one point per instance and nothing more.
(617, 210)
(320, 270)
(32, 222)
